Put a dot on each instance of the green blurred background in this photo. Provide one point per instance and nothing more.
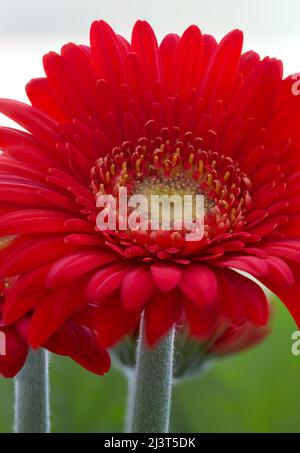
(255, 391)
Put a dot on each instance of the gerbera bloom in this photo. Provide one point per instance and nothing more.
(188, 115)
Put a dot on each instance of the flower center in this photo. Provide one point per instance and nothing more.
(174, 164)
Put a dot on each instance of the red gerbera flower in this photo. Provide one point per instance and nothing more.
(188, 113)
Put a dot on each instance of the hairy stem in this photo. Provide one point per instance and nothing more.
(149, 399)
(32, 395)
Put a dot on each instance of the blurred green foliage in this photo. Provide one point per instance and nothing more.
(255, 391)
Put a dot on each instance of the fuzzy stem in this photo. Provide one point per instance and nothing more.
(32, 395)
(149, 399)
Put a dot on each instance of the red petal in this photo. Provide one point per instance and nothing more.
(222, 71)
(21, 258)
(40, 96)
(105, 281)
(202, 319)
(161, 313)
(166, 276)
(187, 62)
(16, 352)
(82, 345)
(107, 52)
(53, 310)
(167, 51)
(144, 43)
(114, 321)
(262, 83)
(33, 221)
(40, 125)
(25, 294)
(137, 288)
(241, 298)
(199, 284)
(76, 264)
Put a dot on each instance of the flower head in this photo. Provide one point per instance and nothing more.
(187, 116)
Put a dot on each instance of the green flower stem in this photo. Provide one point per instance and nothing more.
(32, 395)
(149, 399)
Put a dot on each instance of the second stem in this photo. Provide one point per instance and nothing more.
(32, 395)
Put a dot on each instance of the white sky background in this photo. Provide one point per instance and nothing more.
(30, 28)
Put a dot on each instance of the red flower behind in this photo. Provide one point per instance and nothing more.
(188, 113)
(71, 339)
(13, 346)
